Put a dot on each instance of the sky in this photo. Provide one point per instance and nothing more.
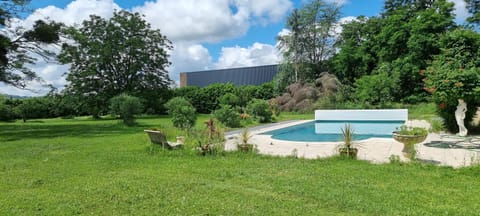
(206, 34)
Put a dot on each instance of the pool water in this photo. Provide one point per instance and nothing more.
(330, 131)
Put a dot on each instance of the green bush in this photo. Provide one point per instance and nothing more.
(228, 115)
(376, 89)
(182, 111)
(229, 99)
(260, 109)
(211, 97)
(6, 111)
(127, 107)
(455, 74)
(37, 107)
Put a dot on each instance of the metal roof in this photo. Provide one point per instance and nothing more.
(238, 76)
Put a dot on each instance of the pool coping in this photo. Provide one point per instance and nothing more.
(375, 150)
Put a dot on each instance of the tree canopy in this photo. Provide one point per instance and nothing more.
(18, 47)
(309, 41)
(122, 54)
(404, 39)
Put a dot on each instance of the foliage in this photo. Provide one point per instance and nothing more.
(19, 46)
(127, 107)
(356, 56)
(406, 37)
(229, 99)
(376, 89)
(260, 110)
(37, 107)
(6, 111)
(211, 140)
(121, 54)
(347, 134)
(211, 97)
(454, 74)
(413, 131)
(182, 112)
(473, 7)
(228, 116)
(309, 41)
(245, 136)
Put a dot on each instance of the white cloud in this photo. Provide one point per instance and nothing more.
(188, 57)
(257, 54)
(266, 10)
(75, 12)
(199, 21)
(338, 2)
(210, 21)
(338, 26)
(461, 11)
(188, 23)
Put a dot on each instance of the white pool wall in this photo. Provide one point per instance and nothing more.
(360, 115)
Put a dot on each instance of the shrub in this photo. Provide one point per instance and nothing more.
(260, 109)
(229, 99)
(127, 107)
(37, 107)
(228, 115)
(455, 74)
(6, 111)
(376, 89)
(182, 111)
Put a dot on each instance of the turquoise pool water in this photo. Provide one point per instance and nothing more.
(330, 131)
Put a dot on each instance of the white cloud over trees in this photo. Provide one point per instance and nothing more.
(187, 23)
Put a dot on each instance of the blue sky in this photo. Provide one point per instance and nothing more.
(206, 34)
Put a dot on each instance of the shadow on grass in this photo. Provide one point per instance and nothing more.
(13, 132)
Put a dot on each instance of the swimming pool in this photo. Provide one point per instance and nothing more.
(330, 131)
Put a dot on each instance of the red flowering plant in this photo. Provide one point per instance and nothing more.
(455, 74)
(449, 84)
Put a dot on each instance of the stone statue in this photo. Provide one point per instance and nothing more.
(460, 116)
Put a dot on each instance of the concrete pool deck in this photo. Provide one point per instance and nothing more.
(441, 149)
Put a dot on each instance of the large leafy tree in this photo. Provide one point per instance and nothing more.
(19, 46)
(309, 41)
(119, 55)
(356, 57)
(404, 38)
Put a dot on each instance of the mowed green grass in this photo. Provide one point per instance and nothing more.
(83, 166)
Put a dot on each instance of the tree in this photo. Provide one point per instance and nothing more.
(127, 107)
(183, 113)
(18, 47)
(473, 7)
(309, 42)
(121, 54)
(455, 74)
(356, 57)
(406, 37)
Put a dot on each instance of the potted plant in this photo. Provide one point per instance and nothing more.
(410, 136)
(244, 137)
(347, 149)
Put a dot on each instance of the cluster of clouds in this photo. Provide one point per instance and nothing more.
(189, 24)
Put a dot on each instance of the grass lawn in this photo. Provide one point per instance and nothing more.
(82, 166)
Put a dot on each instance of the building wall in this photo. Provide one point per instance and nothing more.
(238, 76)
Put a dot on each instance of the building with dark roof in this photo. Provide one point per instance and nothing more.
(238, 76)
